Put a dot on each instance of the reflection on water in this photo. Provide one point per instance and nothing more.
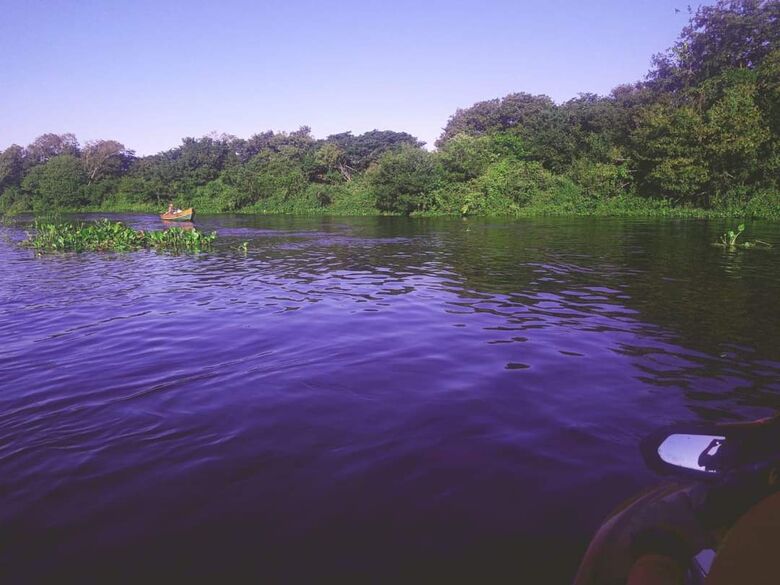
(369, 397)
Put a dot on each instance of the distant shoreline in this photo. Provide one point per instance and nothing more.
(605, 211)
(698, 137)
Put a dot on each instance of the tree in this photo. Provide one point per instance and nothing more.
(362, 151)
(254, 145)
(669, 153)
(56, 183)
(466, 157)
(736, 133)
(330, 160)
(105, 158)
(702, 129)
(768, 86)
(11, 166)
(518, 182)
(269, 174)
(200, 160)
(729, 34)
(299, 142)
(179, 171)
(48, 146)
(551, 138)
(597, 125)
(403, 179)
(517, 110)
(545, 128)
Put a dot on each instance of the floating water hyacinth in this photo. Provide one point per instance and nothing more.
(114, 236)
(729, 240)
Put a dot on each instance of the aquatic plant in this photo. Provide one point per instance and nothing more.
(729, 240)
(179, 239)
(105, 235)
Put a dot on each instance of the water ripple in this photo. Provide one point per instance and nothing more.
(407, 390)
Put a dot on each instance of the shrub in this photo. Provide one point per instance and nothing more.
(518, 182)
(56, 184)
(600, 180)
(465, 157)
(404, 179)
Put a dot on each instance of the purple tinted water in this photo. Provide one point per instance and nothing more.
(373, 398)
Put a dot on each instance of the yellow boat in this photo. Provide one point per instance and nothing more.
(181, 215)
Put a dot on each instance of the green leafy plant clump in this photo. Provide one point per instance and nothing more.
(729, 240)
(114, 236)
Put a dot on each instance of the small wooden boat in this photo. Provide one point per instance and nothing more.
(182, 215)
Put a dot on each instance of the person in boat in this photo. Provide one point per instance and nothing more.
(171, 208)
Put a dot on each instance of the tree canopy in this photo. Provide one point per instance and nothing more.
(702, 129)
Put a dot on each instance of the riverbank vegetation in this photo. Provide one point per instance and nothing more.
(699, 136)
(114, 236)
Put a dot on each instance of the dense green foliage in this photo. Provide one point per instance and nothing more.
(114, 236)
(700, 135)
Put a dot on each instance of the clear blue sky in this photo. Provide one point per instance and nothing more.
(149, 72)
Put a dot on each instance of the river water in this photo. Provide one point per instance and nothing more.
(362, 399)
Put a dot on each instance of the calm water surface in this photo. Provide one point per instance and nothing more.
(372, 398)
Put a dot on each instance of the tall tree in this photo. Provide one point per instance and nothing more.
(48, 146)
(363, 150)
(768, 84)
(669, 152)
(329, 160)
(57, 183)
(105, 158)
(736, 132)
(728, 34)
(403, 179)
(11, 166)
(516, 110)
